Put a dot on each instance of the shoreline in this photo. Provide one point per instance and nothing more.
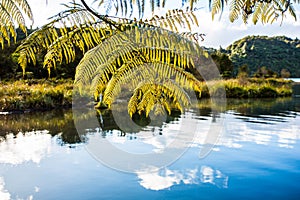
(35, 95)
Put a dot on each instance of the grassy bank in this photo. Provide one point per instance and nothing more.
(250, 88)
(49, 94)
(35, 94)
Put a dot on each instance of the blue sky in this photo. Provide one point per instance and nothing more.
(220, 32)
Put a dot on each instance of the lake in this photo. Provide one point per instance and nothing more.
(255, 154)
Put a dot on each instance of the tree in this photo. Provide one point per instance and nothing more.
(152, 49)
(243, 74)
(223, 63)
(285, 73)
(264, 72)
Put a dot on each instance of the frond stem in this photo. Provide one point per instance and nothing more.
(102, 17)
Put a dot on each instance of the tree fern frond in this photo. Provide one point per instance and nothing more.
(96, 62)
(67, 30)
(149, 94)
(265, 11)
(12, 15)
(217, 6)
(257, 13)
(84, 38)
(24, 6)
(292, 11)
(133, 56)
(235, 9)
(33, 44)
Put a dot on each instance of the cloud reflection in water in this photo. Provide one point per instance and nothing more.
(4, 194)
(166, 178)
(30, 146)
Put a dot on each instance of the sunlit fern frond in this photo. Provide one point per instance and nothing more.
(67, 30)
(259, 10)
(34, 44)
(271, 10)
(77, 28)
(134, 73)
(82, 38)
(12, 14)
(216, 6)
(174, 19)
(195, 37)
(266, 11)
(138, 54)
(149, 94)
(101, 62)
(154, 44)
(235, 9)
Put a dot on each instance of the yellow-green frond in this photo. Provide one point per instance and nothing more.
(174, 19)
(74, 28)
(12, 15)
(150, 95)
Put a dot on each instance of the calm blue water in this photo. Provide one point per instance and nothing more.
(256, 157)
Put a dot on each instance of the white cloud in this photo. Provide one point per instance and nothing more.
(4, 194)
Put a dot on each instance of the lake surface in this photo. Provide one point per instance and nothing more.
(256, 155)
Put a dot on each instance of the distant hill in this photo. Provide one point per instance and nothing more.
(275, 53)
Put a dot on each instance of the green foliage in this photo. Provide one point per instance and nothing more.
(264, 72)
(108, 65)
(145, 64)
(121, 51)
(284, 73)
(12, 14)
(8, 60)
(223, 63)
(267, 11)
(274, 53)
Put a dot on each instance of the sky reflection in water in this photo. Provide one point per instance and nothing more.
(259, 147)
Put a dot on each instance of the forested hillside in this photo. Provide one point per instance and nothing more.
(267, 53)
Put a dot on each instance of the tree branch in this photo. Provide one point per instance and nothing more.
(102, 17)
